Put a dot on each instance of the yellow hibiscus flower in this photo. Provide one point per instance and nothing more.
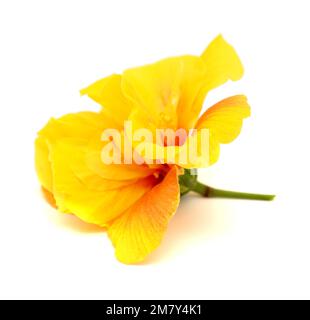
(135, 202)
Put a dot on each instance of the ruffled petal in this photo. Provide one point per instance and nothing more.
(222, 64)
(160, 91)
(43, 164)
(107, 92)
(78, 186)
(170, 92)
(79, 125)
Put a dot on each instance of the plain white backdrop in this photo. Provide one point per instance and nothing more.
(214, 248)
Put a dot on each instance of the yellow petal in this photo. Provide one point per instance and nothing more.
(107, 92)
(76, 125)
(161, 90)
(185, 149)
(93, 161)
(62, 150)
(224, 121)
(80, 191)
(170, 92)
(83, 124)
(139, 230)
(222, 64)
(42, 164)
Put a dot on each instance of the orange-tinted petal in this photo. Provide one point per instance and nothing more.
(139, 230)
(49, 197)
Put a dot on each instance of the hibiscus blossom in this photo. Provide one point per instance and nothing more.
(135, 201)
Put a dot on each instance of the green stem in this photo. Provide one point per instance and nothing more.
(210, 192)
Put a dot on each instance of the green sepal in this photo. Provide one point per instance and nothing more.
(187, 181)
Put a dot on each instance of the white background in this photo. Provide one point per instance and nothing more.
(213, 248)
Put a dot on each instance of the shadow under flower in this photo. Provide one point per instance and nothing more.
(67, 220)
(197, 219)
(71, 222)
